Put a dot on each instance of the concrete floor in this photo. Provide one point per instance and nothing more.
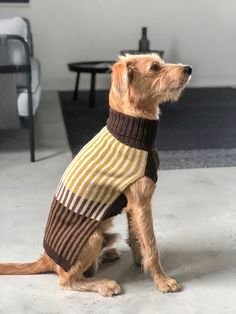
(194, 217)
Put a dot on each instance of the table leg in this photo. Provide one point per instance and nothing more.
(92, 90)
(75, 94)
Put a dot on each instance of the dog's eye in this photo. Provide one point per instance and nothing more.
(154, 67)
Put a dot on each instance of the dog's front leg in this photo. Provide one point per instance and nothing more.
(133, 242)
(139, 196)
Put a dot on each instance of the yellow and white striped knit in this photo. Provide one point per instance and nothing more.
(99, 174)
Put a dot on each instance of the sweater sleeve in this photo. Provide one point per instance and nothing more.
(152, 165)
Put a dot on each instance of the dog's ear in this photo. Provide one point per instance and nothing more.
(122, 73)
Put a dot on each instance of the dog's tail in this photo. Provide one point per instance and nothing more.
(42, 265)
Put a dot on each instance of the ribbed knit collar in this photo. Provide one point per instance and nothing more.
(139, 133)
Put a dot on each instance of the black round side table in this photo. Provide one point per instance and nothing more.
(92, 67)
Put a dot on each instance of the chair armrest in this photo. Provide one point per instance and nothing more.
(8, 65)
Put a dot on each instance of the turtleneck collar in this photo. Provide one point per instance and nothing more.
(139, 133)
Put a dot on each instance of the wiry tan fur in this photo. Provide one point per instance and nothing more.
(137, 89)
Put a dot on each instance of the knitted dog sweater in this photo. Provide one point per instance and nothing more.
(91, 188)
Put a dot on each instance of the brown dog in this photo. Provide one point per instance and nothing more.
(139, 84)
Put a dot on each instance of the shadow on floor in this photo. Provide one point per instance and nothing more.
(185, 265)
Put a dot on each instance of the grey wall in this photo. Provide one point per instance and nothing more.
(201, 33)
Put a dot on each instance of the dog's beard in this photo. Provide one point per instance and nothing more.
(172, 94)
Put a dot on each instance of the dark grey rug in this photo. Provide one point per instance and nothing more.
(198, 131)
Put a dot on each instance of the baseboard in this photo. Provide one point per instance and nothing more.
(103, 82)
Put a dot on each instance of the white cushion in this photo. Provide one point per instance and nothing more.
(13, 26)
(22, 101)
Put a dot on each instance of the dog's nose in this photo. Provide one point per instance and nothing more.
(188, 70)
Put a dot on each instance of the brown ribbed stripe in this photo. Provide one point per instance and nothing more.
(50, 215)
(57, 204)
(72, 233)
(58, 222)
(76, 246)
(92, 227)
(68, 233)
(67, 236)
(67, 219)
(62, 215)
(55, 221)
(68, 254)
(53, 218)
(64, 221)
(79, 234)
(84, 233)
(59, 230)
(135, 132)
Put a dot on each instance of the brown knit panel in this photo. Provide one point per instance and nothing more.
(135, 132)
(59, 260)
(66, 231)
(66, 234)
(152, 165)
(52, 218)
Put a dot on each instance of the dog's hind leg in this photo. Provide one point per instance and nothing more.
(74, 279)
(139, 196)
(107, 254)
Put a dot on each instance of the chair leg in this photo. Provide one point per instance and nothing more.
(31, 120)
(31, 138)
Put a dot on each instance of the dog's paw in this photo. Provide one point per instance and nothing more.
(167, 284)
(110, 255)
(108, 288)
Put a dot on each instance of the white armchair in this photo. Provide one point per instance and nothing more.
(17, 61)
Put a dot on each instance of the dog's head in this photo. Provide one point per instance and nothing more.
(144, 81)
